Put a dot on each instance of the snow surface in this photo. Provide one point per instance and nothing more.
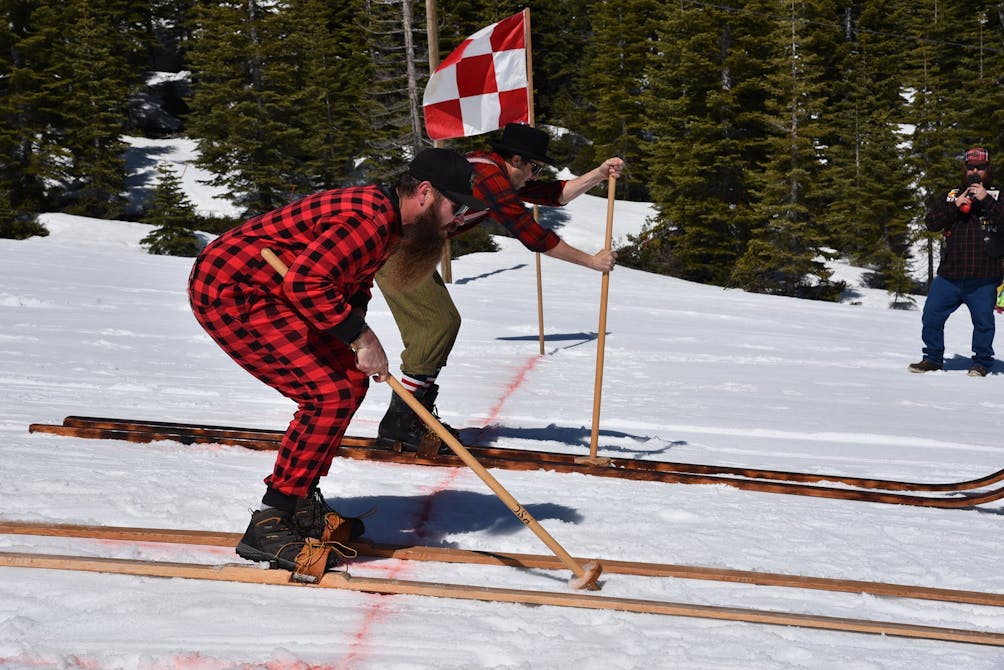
(92, 325)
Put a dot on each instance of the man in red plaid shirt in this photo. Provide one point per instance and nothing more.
(426, 316)
(304, 332)
(968, 274)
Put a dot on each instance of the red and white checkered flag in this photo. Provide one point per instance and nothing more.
(482, 85)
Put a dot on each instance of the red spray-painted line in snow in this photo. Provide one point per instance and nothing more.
(357, 649)
(376, 613)
(513, 386)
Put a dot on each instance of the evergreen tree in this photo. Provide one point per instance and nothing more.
(324, 61)
(22, 188)
(783, 255)
(704, 112)
(396, 131)
(15, 224)
(868, 199)
(174, 215)
(63, 102)
(85, 86)
(278, 104)
(621, 44)
(239, 114)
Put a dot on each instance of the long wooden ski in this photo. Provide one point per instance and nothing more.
(269, 439)
(528, 561)
(530, 460)
(339, 580)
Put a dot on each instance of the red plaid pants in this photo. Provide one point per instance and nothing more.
(266, 337)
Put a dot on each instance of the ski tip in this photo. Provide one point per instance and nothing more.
(591, 572)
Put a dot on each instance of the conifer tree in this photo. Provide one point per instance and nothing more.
(323, 60)
(86, 89)
(621, 44)
(64, 114)
(562, 80)
(239, 114)
(22, 189)
(174, 215)
(782, 256)
(869, 205)
(395, 130)
(704, 111)
(279, 107)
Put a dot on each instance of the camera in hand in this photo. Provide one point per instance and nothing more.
(971, 179)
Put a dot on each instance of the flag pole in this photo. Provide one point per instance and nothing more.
(536, 211)
(432, 37)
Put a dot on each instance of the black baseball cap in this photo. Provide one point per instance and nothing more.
(449, 172)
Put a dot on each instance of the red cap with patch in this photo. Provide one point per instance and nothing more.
(977, 155)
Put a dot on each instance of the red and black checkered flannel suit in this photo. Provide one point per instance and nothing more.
(292, 333)
(506, 204)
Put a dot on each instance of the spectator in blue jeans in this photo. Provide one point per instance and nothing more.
(967, 274)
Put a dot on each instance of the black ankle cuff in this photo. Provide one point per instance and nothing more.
(279, 500)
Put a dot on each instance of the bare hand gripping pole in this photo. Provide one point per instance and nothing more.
(585, 575)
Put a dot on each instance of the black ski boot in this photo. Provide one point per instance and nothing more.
(399, 425)
(315, 518)
(272, 536)
(402, 429)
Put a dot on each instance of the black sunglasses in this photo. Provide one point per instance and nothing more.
(459, 210)
(974, 166)
(536, 168)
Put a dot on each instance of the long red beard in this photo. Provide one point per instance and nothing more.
(420, 248)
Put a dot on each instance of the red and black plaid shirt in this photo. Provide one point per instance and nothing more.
(333, 243)
(492, 186)
(963, 255)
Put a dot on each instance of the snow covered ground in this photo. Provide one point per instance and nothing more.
(90, 324)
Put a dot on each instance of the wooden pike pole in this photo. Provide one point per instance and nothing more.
(601, 337)
(585, 575)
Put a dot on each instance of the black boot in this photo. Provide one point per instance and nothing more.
(273, 536)
(315, 518)
(428, 400)
(401, 427)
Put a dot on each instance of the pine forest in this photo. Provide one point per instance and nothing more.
(770, 135)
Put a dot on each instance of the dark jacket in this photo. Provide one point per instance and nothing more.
(963, 254)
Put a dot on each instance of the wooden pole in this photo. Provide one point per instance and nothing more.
(540, 298)
(536, 211)
(432, 35)
(585, 575)
(602, 334)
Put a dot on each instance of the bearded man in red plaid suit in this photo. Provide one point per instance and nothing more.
(304, 333)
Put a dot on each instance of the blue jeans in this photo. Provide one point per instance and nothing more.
(946, 296)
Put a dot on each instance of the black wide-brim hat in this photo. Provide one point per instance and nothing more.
(449, 172)
(524, 140)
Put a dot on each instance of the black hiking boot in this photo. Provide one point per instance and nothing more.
(401, 427)
(315, 518)
(272, 536)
